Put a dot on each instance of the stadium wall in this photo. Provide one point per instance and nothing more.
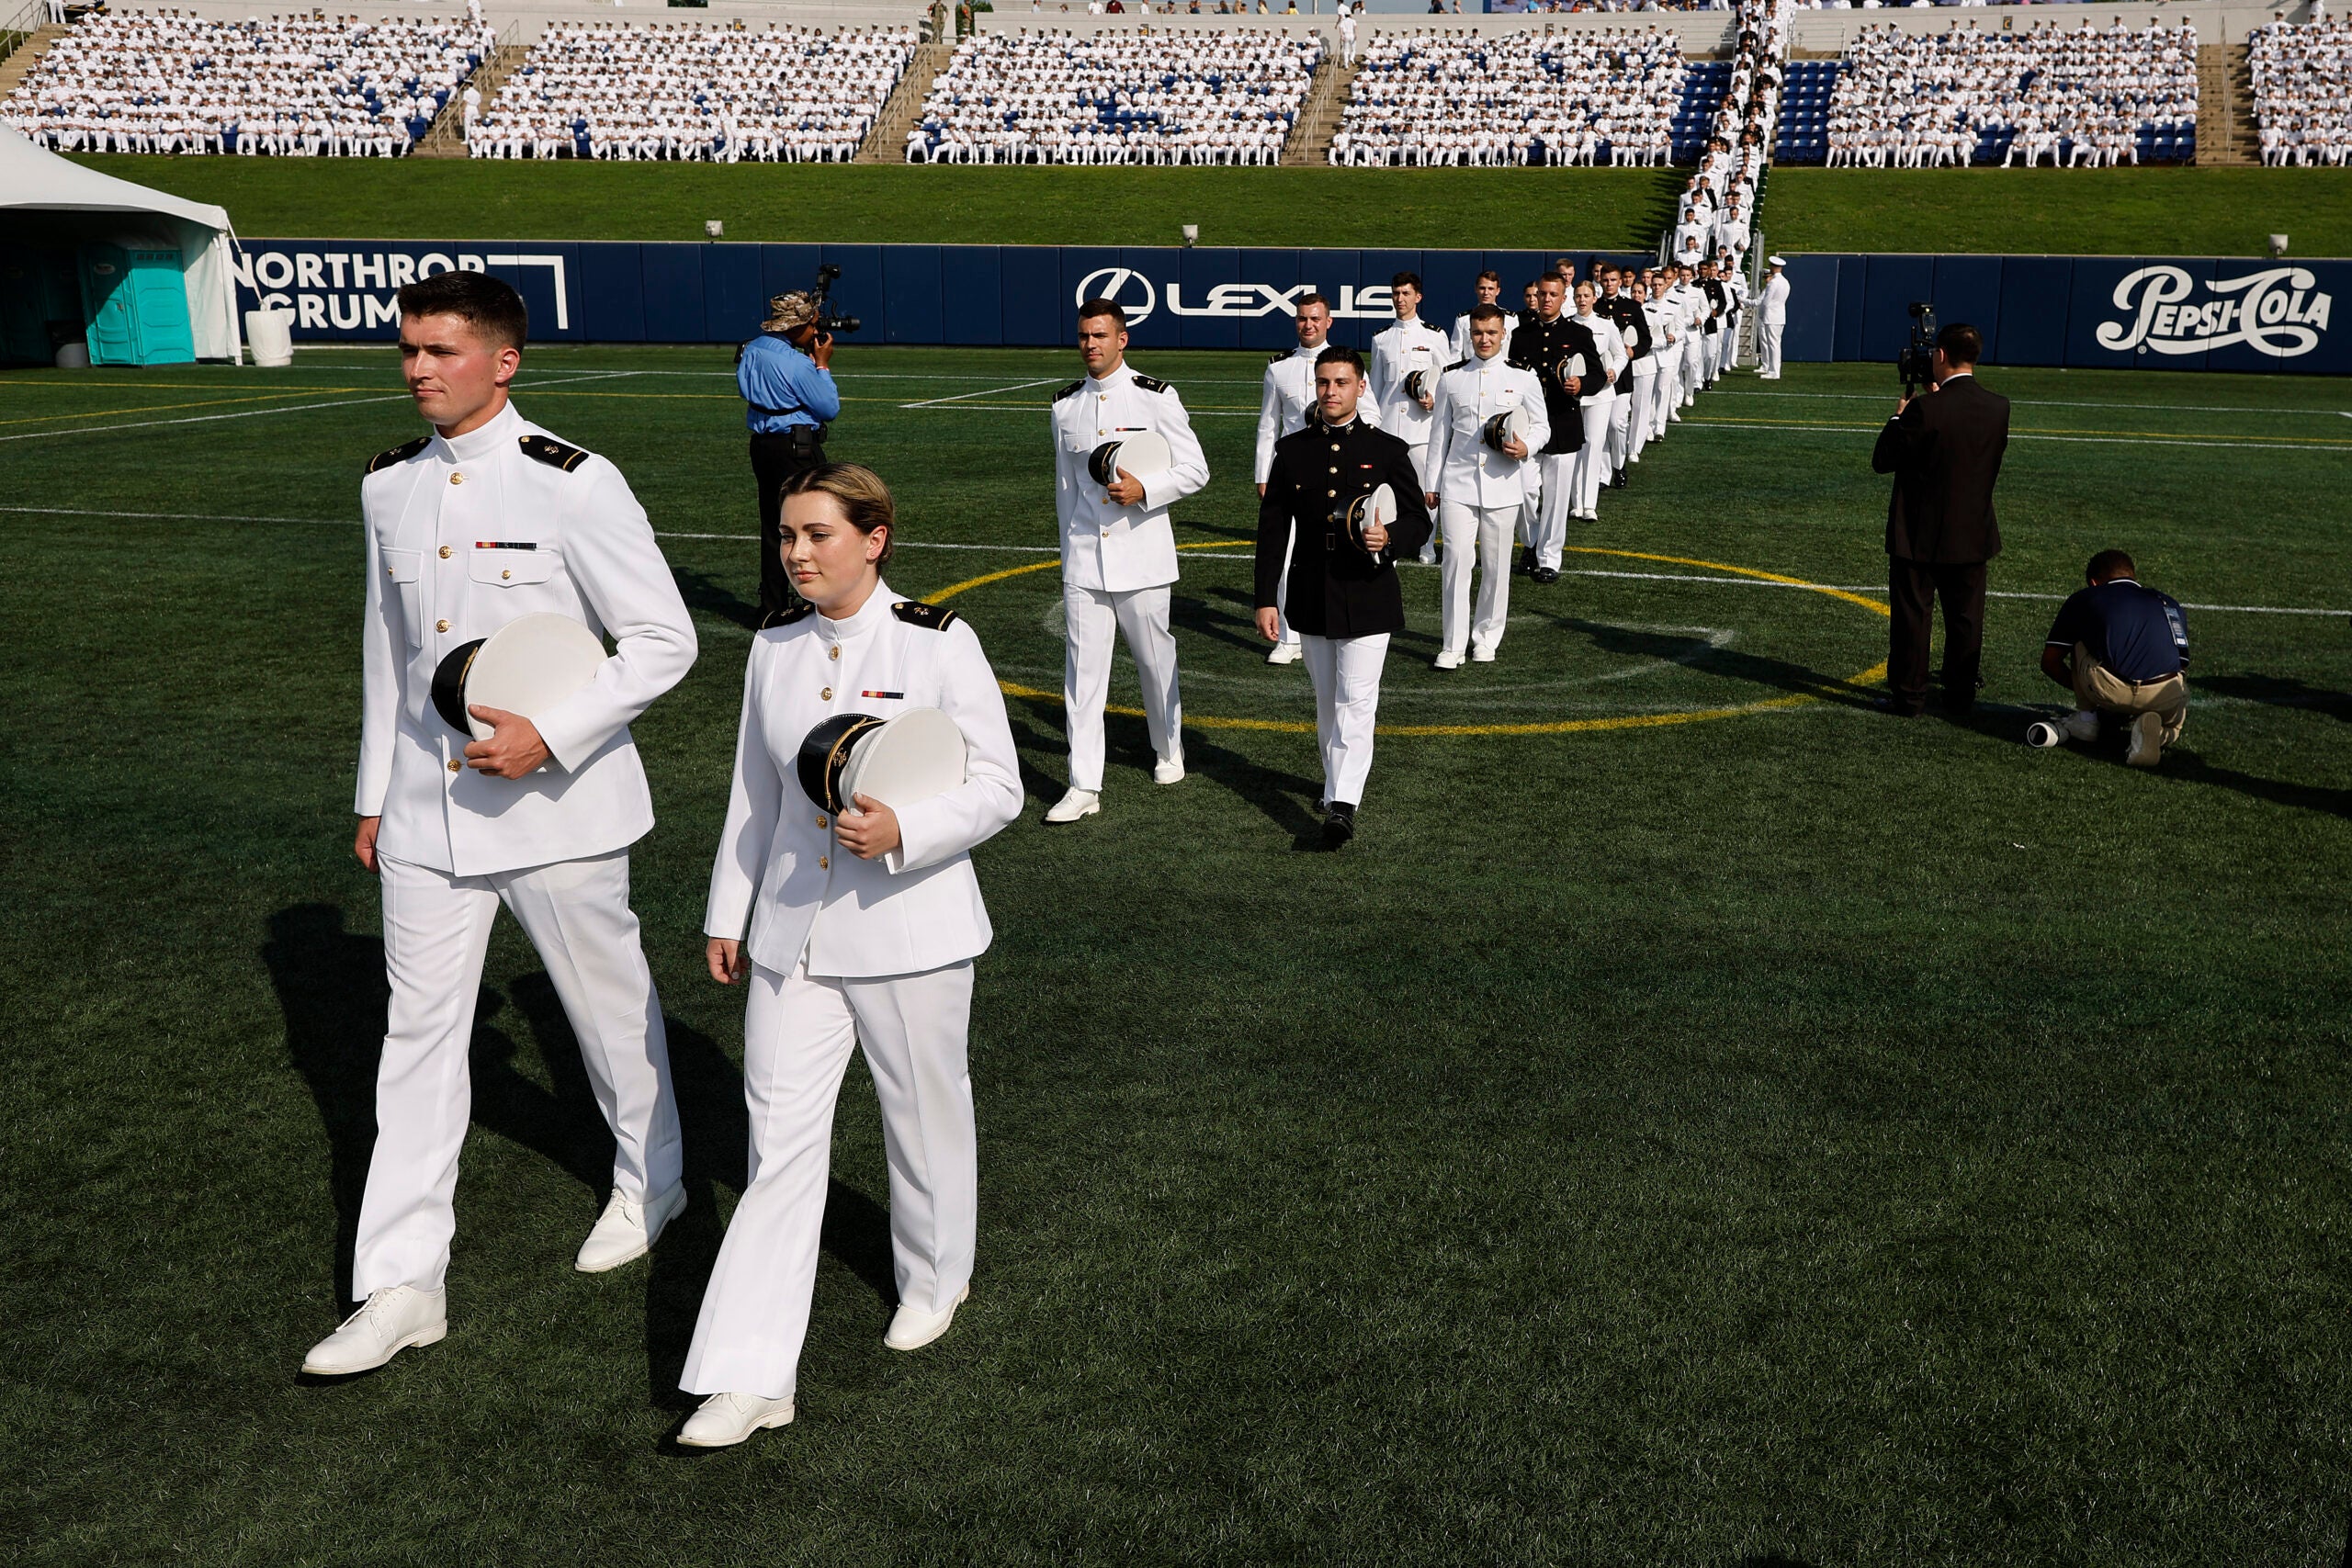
(2175, 313)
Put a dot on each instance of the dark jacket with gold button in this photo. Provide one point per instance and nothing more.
(1544, 346)
(1336, 589)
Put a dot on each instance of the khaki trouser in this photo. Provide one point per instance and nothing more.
(2096, 687)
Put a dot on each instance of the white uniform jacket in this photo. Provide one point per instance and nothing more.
(1663, 320)
(915, 908)
(1397, 352)
(1285, 400)
(1775, 301)
(1114, 548)
(464, 536)
(1611, 339)
(1458, 340)
(1459, 466)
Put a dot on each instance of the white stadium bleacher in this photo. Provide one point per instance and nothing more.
(164, 82)
(633, 91)
(2077, 95)
(1431, 97)
(2302, 85)
(1146, 96)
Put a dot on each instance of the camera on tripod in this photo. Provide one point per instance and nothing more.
(1917, 363)
(829, 320)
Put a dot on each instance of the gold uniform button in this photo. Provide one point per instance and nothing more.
(445, 625)
(457, 479)
(827, 693)
(1335, 471)
(823, 864)
(455, 766)
(440, 625)
(823, 822)
(445, 552)
(834, 651)
(505, 574)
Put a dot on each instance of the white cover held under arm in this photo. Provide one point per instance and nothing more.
(462, 537)
(1106, 546)
(779, 864)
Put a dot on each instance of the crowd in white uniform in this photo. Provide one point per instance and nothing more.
(2302, 93)
(1914, 100)
(1145, 97)
(717, 95)
(163, 82)
(1452, 98)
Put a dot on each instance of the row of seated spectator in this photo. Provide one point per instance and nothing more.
(2302, 93)
(174, 82)
(2080, 95)
(720, 95)
(1139, 97)
(1431, 96)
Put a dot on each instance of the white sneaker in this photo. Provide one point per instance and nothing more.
(2081, 725)
(1449, 659)
(393, 1319)
(1168, 770)
(1074, 804)
(1285, 652)
(626, 1229)
(912, 1328)
(2148, 747)
(1482, 656)
(726, 1419)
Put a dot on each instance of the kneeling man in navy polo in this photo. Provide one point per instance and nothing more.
(2124, 650)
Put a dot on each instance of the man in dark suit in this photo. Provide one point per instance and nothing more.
(1944, 449)
(1342, 593)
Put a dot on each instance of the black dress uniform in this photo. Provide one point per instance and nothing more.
(1718, 300)
(1542, 346)
(1343, 600)
(1632, 320)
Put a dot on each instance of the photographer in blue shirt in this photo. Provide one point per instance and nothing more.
(783, 374)
(2124, 650)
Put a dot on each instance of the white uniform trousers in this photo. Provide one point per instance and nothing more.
(1346, 672)
(1091, 616)
(1553, 507)
(1768, 349)
(798, 1033)
(1621, 425)
(1592, 457)
(1282, 593)
(437, 929)
(1694, 367)
(1479, 535)
(1644, 417)
(1712, 347)
(1664, 389)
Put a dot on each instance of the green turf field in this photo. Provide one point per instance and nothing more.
(1787, 1137)
(2152, 211)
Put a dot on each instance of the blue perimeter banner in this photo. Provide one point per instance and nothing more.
(2105, 312)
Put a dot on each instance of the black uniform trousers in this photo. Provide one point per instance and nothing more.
(773, 461)
(1914, 587)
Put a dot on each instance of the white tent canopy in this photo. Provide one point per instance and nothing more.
(33, 179)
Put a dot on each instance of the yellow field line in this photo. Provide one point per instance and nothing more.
(1555, 727)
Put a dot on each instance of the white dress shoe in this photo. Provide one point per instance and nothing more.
(726, 1419)
(1168, 770)
(626, 1229)
(1284, 653)
(1074, 804)
(1482, 656)
(393, 1319)
(912, 1328)
(1448, 660)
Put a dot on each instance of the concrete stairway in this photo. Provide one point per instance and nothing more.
(26, 55)
(1319, 119)
(447, 139)
(2225, 128)
(886, 141)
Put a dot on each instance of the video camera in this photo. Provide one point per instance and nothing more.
(829, 322)
(1917, 363)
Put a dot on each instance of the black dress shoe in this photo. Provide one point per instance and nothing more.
(1526, 562)
(1546, 574)
(1897, 709)
(1619, 483)
(1339, 825)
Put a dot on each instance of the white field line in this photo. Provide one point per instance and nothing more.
(989, 391)
(2038, 402)
(287, 407)
(2242, 445)
(1189, 555)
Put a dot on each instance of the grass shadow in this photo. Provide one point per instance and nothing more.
(703, 594)
(1779, 674)
(331, 990)
(2278, 690)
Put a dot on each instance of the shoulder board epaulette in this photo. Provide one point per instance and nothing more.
(400, 454)
(1073, 387)
(1278, 356)
(1152, 383)
(552, 452)
(787, 615)
(931, 615)
(1458, 365)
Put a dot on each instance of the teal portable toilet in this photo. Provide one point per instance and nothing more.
(137, 305)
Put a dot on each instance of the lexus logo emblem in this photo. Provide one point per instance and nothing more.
(1121, 285)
